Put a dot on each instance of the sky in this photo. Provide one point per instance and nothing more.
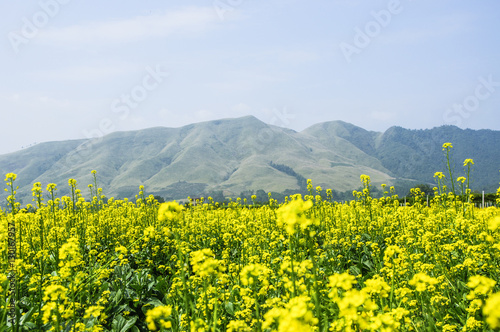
(73, 69)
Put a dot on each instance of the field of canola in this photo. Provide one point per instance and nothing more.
(309, 264)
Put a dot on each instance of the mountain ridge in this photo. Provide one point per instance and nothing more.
(234, 155)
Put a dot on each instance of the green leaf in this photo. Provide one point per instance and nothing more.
(229, 308)
(26, 317)
(355, 270)
(118, 296)
(120, 324)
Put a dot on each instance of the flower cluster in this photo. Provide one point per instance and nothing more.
(306, 264)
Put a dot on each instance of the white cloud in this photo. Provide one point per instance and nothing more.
(15, 97)
(189, 19)
(87, 73)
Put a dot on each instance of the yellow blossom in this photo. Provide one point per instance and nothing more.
(468, 162)
(494, 223)
(492, 312)
(204, 263)
(93, 311)
(342, 280)
(422, 281)
(480, 285)
(293, 215)
(169, 210)
(159, 317)
(447, 146)
(439, 175)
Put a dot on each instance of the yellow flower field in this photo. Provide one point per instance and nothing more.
(308, 264)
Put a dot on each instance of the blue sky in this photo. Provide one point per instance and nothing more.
(75, 69)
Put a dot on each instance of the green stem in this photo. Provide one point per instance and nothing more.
(291, 265)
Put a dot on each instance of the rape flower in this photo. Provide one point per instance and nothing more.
(204, 263)
(480, 285)
(69, 253)
(492, 312)
(342, 280)
(468, 162)
(377, 285)
(447, 146)
(47, 310)
(11, 177)
(238, 326)
(55, 292)
(37, 188)
(472, 324)
(293, 215)
(422, 281)
(263, 263)
(81, 327)
(494, 223)
(169, 210)
(296, 316)
(439, 175)
(450, 328)
(51, 187)
(388, 321)
(309, 185)
(121, 250)
(159, 317)
(365, 179)
(93, 311)
(250, 274)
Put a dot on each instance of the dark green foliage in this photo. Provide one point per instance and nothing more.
(159, 199)
(301, 181)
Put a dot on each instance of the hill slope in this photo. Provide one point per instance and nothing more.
(236, 155)
(417, 154)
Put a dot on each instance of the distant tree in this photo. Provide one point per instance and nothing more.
(217, 196)
(159, 199)
(301, 181)
(262, 196)
(477, 198)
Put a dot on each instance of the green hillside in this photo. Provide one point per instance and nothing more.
(245, 154)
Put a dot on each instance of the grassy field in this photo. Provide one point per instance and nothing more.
(309, 264)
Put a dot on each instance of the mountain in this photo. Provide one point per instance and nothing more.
(417, 154)
(242, 154)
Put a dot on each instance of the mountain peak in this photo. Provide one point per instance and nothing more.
(238, 154)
